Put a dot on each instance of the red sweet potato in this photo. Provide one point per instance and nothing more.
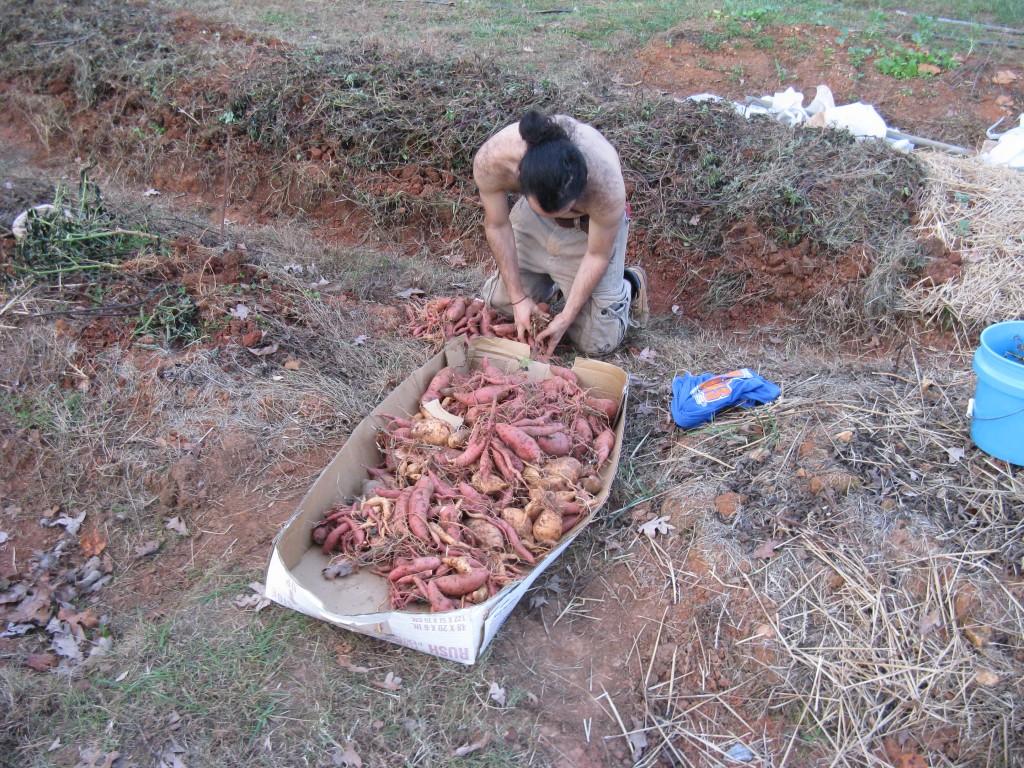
(565, 373)
(438, 602)
(540, 430)
(334, 537)
(605, 405)
(456, 311)
(472, 452)
(604, 444)
(556, 444)
(442, 380)
(522, 445)
(483, 395)
(459, 584)
(419, 508)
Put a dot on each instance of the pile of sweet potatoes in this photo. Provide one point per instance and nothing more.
(479, 484)
(446, 317)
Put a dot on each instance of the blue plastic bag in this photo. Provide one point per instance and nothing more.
(696, 399)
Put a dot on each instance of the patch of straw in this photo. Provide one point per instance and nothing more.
(976, 210)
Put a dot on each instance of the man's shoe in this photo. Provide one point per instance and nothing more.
(640, 307)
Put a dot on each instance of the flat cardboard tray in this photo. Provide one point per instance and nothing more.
(359, 602)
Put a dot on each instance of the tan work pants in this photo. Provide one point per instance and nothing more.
(549, 257)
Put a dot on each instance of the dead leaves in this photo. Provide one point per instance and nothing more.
(346, 757)
(70, 524)
(176, 525)
(391, 682)
(92, 543)
(255, 602)
(930, 622)
(94, 757)
(480, 740)
(343, 656)
(497, 694)
(146, 549)
(652, 528)
(41, 662)
(767, 549)
(987, 678)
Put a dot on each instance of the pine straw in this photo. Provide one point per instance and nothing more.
(976, 210)
(889, 614)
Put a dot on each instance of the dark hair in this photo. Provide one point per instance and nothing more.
(553, 170)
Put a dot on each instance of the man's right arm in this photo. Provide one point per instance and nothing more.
(501, 239)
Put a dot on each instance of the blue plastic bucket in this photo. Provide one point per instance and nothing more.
(997, 420)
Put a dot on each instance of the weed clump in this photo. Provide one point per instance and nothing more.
(74, 239)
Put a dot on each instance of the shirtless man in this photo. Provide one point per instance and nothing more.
(567, 232)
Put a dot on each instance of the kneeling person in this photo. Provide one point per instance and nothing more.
(566, 233)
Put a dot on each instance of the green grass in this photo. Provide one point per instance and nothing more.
(233, 679)
(49, 410)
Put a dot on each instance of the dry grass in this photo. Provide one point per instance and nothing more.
(888, 615)
(974, 210)
(889, 612)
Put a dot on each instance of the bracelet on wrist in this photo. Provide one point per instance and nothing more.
(520, 300)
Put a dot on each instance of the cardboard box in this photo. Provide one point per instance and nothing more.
(360, 602)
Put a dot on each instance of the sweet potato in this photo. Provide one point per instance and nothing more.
(565, 373)
(472, 494)
(487, 535)
(522, 445)
(561, 473)
(604, 444)
(449, 515)
(400, 520)
(459, 584)
(582, 432)
(456, 311)
(605, 405)
(553, 387)
(419, 508)
(472, 452)
(483, 395)
(547, 527)
(334, 537)
(518, 519)
(442, 380)
(540, 430)
(513, 539)
(416, 566)
(438, 602)
(460, 438)
(557, 444)
(488, 483)
(431, 431)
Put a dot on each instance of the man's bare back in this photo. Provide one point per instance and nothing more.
(496, 168)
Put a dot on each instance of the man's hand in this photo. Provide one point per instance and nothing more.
(548, 339)
(523, 313)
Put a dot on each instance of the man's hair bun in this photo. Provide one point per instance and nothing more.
(537, 129)
(553, 169)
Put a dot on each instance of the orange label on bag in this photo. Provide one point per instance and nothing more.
(718, 387)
